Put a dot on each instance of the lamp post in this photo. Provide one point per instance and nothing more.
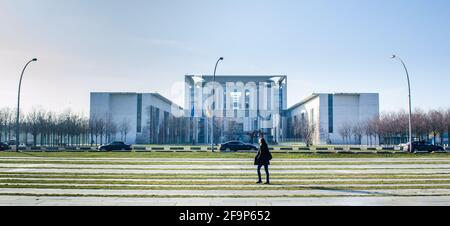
(18, 104)
(214, 104)
(409, 96)
(280, 106)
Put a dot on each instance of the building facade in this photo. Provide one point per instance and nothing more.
(334, 118)
(239, 105)
(137, 117)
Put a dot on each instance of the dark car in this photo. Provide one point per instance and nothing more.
(423, 146)
(4, 146)
(115, 146)
(237, 146)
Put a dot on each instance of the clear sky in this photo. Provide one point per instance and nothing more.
(147, 46)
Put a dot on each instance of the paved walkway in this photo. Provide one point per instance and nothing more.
(419, 180)
(229, 186)
(224, 167)
(388, 181)
(221, 193)
(236, 171)
(435, 159)
(330, 201)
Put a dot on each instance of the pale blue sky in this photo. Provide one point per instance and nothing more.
(147, 46)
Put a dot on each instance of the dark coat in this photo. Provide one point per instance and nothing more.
(263, 157)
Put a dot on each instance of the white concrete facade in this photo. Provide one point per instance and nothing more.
(132, 109)
(331, 112)
(259, 105)
(244, 103)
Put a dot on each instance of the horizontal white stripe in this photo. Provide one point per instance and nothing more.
(265, 193)
(200, 186)
(225, 180)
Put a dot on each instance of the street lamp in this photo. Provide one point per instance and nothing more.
(214, 104)
(409, 95)
(18, 104)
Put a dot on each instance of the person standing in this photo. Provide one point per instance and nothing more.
(263, 159)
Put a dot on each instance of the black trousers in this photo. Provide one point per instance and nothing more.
(266, 168)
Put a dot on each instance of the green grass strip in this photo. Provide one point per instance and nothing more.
(207, 155)
(112, 182)
(212, 163)
(273, 169)
(346, 188)
(212, 196)
(219, 176)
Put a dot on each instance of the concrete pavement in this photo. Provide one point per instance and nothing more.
(43, 181)
(329, 201)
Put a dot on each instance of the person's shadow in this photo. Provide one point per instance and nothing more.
(335, 189)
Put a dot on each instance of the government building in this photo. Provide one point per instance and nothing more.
(234, 107)
(144, 117)
(329, 114)
(239, 106)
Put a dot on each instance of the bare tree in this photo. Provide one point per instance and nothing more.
(100, 126)
(437, 124)
(421, 124)
(7, 123)
(33, 120)
(49, 128)
(358, 131)
(372, 130)
(3, 122)
(392, 127)
(124, 129)
(346, 132)
(369, 130)
(306, 131)
(447, 124)
(92, 130)
(110, 129)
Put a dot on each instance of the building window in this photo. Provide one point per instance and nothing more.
(139, 114)
(247, 103)
(330, 114)
(269, 96)
(312, 116)
(192, 96)
(236, 96)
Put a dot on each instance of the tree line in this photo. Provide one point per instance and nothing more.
(429, 125)
(389, 128)
(47, 128)
(392, 128)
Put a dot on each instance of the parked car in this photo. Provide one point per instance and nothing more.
(237, 146)
(115, 146)
(4, 146)
(403, 146)
(11, 142)
(422, 146)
